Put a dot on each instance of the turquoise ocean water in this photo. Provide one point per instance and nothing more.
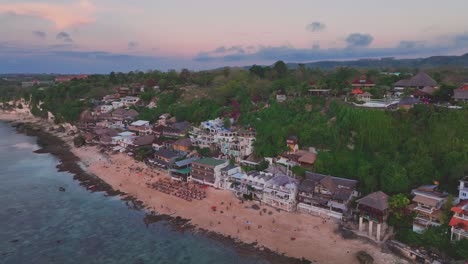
(41, 224)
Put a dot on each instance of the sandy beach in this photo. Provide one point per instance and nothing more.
(294, 234)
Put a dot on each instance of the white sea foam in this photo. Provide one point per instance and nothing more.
(26, 145)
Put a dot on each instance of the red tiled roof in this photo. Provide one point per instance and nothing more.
(459, 223)
(459, 207)
(362, 81)
(464, 87)
(357, 91)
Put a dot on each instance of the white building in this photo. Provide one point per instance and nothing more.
(227, 173)
(459, 221)
(463, 189)
(280, 192)
(130, 100)
(124, 139)
(233, 144)
(106, 108)
(252, 183)
(281, 98)
(117, 104)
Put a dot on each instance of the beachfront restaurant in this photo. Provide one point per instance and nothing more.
(373, 208)
(181, 170)
(164, 159)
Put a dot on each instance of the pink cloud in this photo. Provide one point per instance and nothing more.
(61, 15)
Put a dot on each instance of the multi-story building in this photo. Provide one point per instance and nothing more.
(168, 131)
(373, 208)
(280, 192)
(459, 221)
(130, 100)
(142, 127)
(208, 171)
(362, 83)
(325, 195)
(122, 114)
(105, 108)
(232, 144)
(427, 204)
(117, 104)
(182, 169)
(235, 144)
(463, 189)
(229, 172)
(252, 183)
(204, 136)
(164, 158)
(124, 139)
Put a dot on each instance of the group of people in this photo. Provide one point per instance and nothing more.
(182, 190)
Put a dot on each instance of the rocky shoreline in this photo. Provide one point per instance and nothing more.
(69, 162)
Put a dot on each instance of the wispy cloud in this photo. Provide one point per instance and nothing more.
(62, 15)
(132, 45)
(409, 44)
(359, 40)
(462, 39)
(357, 48)
(315, 26)
(39, 34)
(66, 58)
(64, 36)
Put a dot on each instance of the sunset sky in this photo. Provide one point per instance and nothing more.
(87, 36)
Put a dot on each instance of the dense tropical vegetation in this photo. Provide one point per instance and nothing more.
(392, 151)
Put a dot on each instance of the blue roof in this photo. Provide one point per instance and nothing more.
(238, 176)
(184, 162)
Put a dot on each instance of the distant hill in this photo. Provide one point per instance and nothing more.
(430, 62)
(388, 63)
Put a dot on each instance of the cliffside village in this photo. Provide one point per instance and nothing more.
(232, 166)
(406, 93)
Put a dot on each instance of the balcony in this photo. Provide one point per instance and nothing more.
(424, 222)
(424, 209)
(460, 232)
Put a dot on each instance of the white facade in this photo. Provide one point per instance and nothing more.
(232, 144)
(251, 183)
(463, 189)
(130, 100)
(280, 192)
(461, 216)
(106, 108)
(235, 144)
(117, 104)
(218, 175)
(281, 98)
(124, 139)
